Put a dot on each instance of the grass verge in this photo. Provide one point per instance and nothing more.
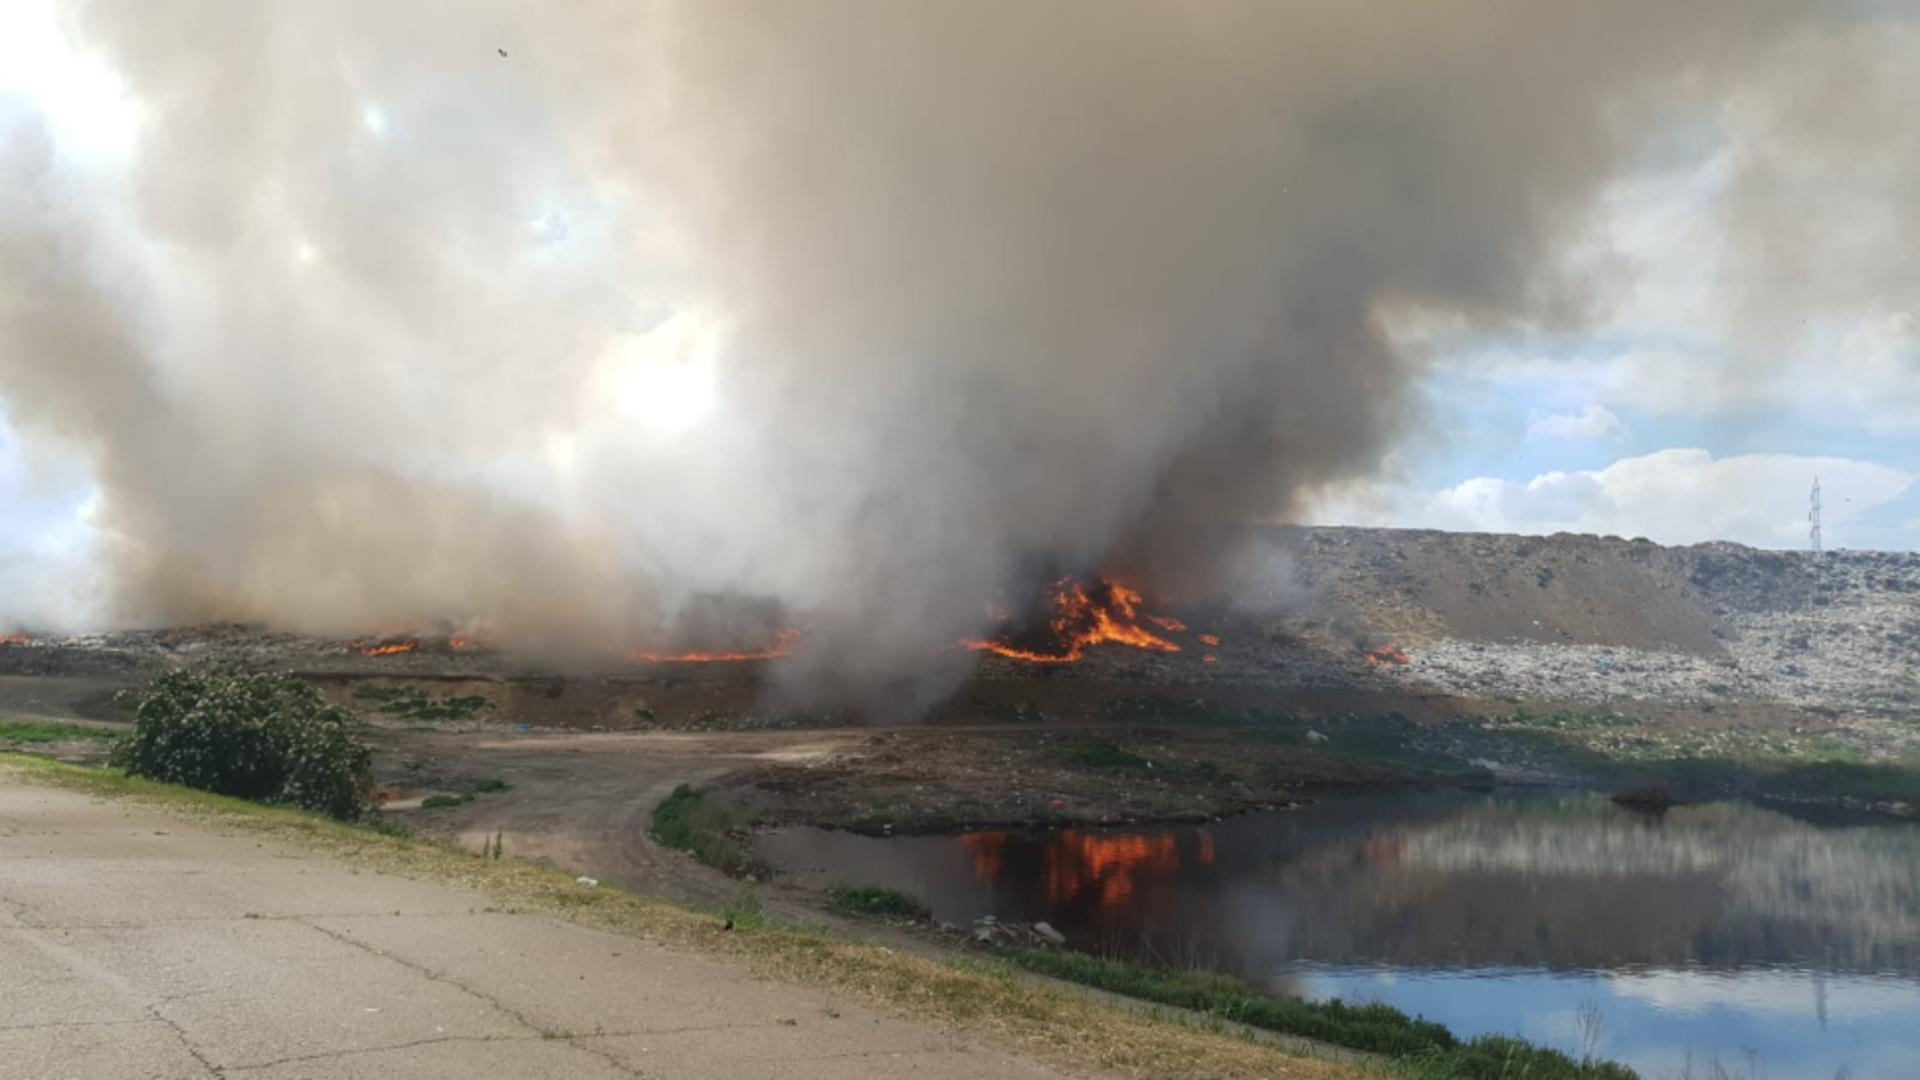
(41, 731)
(988, 999)
(874, 901)
(1420, 1049)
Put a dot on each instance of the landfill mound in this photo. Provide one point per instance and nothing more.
(1593, 619)
(1562, 620)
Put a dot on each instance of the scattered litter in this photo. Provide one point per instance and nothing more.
(585, 880)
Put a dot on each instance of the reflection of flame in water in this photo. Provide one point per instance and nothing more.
(1077, 862)
(987, 848)
(1205, 855)
(781, 641)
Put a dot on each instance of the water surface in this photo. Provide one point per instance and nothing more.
(1785, 946)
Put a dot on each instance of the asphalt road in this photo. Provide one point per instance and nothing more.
(136, 944)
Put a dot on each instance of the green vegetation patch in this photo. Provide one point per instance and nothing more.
(437, 802)
(408, 703)
(1377, 1028)
(874, 901)
(490, 785)
(41, 731)
(265, 738)
(1106, 755)
(1420, 1049)
(685, 821)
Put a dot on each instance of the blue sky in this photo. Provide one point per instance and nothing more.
(1685, 409)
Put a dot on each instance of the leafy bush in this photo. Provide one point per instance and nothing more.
(436, 802)
(874, 900)
(268, 738)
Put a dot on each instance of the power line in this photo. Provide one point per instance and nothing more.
(1813, 518)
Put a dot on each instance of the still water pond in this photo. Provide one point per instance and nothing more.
(1781, 946)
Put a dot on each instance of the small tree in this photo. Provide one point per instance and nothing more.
(269, 738)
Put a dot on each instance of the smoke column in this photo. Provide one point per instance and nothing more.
(868, 311)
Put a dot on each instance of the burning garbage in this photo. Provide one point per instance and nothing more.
(1077, 616)
(1386, 654)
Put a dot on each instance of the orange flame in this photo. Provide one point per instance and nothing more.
(781, 642)
(384, 648)
(1209, 658)
(461, 644)
(1386, 654)
(16, 639)
(1209, 639)
(1082, 618)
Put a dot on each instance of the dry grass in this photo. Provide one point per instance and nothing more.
(987, 999)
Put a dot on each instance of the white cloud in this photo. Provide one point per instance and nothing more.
(1594, 421)
(1674, 496)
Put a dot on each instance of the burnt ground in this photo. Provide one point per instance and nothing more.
(1711, 670)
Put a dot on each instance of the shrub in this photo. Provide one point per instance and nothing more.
(268, 738)
(437, 802)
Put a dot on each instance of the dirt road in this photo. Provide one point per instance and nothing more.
(137, 944)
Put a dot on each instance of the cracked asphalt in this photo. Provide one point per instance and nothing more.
(136, 944)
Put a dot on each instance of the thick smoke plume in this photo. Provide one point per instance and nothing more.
(869, 311)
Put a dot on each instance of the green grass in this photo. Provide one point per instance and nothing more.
(436, 802)
(1106, 755)
(490, 785)
(42, 731)
(1419, 1049)
(874, 901)
(685, 821)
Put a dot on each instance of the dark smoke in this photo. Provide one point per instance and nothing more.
(988, 288)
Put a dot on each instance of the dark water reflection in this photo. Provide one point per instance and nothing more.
(1727, 930)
